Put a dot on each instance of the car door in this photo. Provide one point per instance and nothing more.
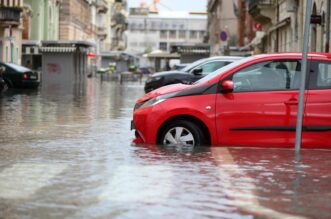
(262, 108)
(317, 119)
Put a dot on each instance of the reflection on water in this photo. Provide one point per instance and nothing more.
(69, 154)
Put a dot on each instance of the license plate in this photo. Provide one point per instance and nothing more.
(33, 77)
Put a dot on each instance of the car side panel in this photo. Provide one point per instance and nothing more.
(149, 120)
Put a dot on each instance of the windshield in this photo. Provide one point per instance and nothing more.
(222, 70)
(17, 67)
(192, 65)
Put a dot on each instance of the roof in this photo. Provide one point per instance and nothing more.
(76, 43)
(178, 14)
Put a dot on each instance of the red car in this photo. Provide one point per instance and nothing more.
(251, 102)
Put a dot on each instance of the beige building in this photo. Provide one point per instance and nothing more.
(11, 30)
(282, 24)
(230, 27)
(75, 20)
(221, 20)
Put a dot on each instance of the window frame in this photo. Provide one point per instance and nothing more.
(313, 75)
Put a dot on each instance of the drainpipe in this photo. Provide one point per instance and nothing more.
(11, 44)
(277, 30)
(327, 42)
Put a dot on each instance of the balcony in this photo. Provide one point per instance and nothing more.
(263, 11)
(10, 16)
(101, 32)
(102, 6)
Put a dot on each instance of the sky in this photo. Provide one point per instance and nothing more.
(175, 5)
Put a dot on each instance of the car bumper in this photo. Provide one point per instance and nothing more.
(30, 84)
(142, 120)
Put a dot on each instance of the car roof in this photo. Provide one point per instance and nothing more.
(295, 54)
(14, 66)
(223, 58)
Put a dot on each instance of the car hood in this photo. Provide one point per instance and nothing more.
(163, 90)
(166, 73)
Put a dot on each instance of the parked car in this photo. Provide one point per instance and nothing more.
(17, 76)
(146, 70)
(189, 74)
(3, 85)
(252, 102)
(180, 66)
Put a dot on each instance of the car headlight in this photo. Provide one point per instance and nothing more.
(154, 101)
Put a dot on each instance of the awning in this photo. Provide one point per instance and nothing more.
(58, 49)
(164, 55)
(30, 50)
(280, 24)
(258, 38)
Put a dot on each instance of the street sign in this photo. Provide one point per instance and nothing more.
(223, 36)
(316, 19)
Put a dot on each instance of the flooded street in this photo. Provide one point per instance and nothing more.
(69, 154)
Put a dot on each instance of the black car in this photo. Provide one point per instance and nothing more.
(145, 70)
(17, 76)
(189, 74)
(180, 66)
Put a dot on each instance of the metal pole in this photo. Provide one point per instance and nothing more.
(327, 23)
(303, 76)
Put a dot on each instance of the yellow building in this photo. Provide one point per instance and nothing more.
(10, 30)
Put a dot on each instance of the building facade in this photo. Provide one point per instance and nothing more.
(119, 25)
(221, 20)
(41, 19)
(148, 32)
(11, 30)
(282, 25)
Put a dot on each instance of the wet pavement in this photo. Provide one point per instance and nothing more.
(68, 154)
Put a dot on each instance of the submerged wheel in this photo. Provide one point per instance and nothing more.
(182, 133)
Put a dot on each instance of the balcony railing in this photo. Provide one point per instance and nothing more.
(261, 10)
(10, 14)
(102, 6)
(262, 3)
(101, 32)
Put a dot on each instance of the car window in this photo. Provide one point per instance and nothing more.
(212, 66)
(269, 75)
(223, 70)
(193, 65)
(323, 76)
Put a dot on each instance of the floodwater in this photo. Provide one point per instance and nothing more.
(67, 153)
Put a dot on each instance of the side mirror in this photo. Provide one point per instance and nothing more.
(227, 86)
(197, 71)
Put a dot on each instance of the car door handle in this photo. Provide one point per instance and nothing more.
(292, 101)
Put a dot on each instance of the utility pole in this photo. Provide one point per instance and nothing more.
(298, 133)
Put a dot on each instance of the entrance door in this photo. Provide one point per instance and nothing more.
(262, 108)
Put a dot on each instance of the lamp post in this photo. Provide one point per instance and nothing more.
(298, 133)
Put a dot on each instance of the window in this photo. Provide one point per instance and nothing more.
(266, 76)
(172, 34)
(163, 46)
(202, 34)
(182, 34)
(163, 34)
(193, 34)
(323, 75)
(212, 66)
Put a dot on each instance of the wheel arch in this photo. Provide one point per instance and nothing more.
(197, 121)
